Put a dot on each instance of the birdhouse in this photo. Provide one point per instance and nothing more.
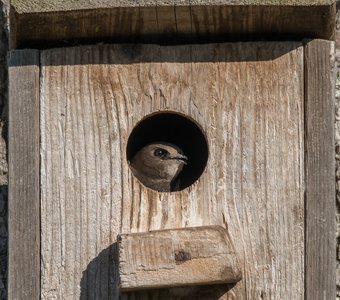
(171, 150)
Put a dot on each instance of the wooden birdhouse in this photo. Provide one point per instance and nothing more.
(245, 90)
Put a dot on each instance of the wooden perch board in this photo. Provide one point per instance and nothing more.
(59, 23)
(178, 257)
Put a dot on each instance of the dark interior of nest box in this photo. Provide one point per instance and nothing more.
(176, 129)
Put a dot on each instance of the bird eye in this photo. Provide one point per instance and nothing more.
(160, 152)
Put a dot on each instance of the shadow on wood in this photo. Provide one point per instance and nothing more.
(129, 54)
(100, 281)
(208, 292)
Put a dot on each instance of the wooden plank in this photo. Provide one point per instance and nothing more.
(59, 23)
(81, 180)
(252, 116)
(320, 164)
(24, 6)
(177, 257)
(24, 189)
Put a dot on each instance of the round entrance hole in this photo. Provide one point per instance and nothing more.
(178, 130)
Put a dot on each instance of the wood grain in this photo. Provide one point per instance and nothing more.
(24, 171)
(47, 23)
(320, 164)
(252, 114)
(25, 6)
(177, 257)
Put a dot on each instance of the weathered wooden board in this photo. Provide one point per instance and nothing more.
(25, 6)
(48, 22)
(177, 257)
(252, 114)
(320, 162)
(24, 173)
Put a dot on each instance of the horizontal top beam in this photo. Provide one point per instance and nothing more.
(47, 23)
(24, 6)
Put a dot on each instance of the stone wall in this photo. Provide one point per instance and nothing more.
(3, 146)
(337, 147)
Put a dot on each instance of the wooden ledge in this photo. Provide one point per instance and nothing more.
(49, 23)
(177, 257)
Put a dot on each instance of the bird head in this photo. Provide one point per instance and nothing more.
(158, 162)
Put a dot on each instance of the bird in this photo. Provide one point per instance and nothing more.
(157, 166)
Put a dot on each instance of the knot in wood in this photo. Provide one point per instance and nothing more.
(181, 256)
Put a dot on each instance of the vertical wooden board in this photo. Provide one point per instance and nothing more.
(24, 195)
(81, 184)
(252, 115)
(320, 163)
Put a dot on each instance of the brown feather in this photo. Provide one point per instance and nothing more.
(156, 172)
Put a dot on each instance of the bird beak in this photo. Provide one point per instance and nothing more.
(182, 158)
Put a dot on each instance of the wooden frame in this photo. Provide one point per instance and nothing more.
(319, 170)
(24, 173)
(24, 212)
(53, 23)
